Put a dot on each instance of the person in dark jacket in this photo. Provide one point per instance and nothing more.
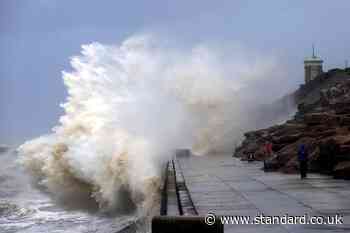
(303, 159)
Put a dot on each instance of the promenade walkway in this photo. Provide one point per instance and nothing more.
(227, 186)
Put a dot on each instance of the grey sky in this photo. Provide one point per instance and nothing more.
(38, 37)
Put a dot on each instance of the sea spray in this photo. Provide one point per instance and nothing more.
(128, 107)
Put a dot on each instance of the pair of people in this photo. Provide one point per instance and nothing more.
(302, 157)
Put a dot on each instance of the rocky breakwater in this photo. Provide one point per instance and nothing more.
(322, 123)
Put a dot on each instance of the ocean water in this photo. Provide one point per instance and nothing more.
(25, 208)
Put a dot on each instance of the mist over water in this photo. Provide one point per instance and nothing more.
(130, 105)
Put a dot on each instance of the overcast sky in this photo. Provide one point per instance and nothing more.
(38, 37)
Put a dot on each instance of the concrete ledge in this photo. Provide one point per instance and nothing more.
(186, 205)
(175, 197)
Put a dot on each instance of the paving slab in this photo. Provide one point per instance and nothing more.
(224, 185)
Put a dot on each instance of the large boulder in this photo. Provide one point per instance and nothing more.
(277, 147)
(315, 118)
(342, 139)
(345, 120)
(287, 138)
(344, 150)
(286, 129)
(324, 134)
(321, 118)
(342, 107)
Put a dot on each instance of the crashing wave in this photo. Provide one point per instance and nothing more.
(128, 108)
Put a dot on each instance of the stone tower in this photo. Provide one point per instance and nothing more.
(313, 66)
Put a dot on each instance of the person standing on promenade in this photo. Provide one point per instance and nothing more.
(303, 159)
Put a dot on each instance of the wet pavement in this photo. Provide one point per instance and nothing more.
(227, 186)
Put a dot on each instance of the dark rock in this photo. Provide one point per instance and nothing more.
(327, 133)
(345, 121)
(341, 107)
(327, 159)
(322, 123)
(344, 149)
(342, 170)
(288, 138)
(342, 139)
(277, 147)
(314, 118)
